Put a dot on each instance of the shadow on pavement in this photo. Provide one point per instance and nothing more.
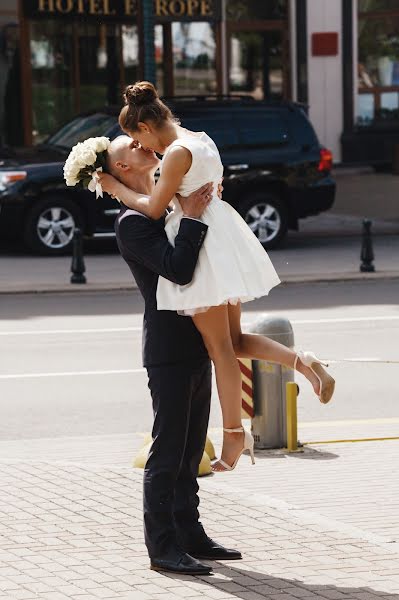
(228, 579)
(307, 454)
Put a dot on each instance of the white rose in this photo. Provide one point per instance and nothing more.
(71, 168)
(71, 181)
(88, 156)
(83, 156)
(102, 144)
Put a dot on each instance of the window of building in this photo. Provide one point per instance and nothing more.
(237, 10)
(77, 67)
(11, 92)
(194, 58)
(258, 48)
(378, 66)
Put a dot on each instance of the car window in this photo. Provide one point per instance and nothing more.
(263, 128)
(82, 128)
(218, 126)
(302, 129)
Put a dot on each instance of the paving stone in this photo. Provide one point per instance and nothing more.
(74, 530)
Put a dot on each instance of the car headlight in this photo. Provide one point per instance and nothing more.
(8, 178)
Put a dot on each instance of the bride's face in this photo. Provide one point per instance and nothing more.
(139, 158)
(149, 138)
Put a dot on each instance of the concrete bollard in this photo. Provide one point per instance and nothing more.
(78, 264)
(269, 382)
(204, 468)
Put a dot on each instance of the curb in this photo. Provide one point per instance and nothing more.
(125, 287)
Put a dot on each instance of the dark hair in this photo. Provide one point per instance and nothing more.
(142, 104)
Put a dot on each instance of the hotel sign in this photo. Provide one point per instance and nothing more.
(123, 10)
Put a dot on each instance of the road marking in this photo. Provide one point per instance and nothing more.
(345, 320)
(246, 324)
(376, 421)
(71, 373)
(68, 331)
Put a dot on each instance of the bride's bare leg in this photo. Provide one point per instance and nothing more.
(247, 345)
(213, 325)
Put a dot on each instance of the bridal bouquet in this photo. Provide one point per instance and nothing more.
(84, 162)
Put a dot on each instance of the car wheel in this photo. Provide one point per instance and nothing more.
(266, 216)
(50, 225)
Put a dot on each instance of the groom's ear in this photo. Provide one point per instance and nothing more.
(120, 165)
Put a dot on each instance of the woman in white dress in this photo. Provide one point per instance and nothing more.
(233, 266)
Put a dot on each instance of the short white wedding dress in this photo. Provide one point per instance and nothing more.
(233, 265)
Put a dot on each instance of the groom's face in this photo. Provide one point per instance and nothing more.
(128, 154)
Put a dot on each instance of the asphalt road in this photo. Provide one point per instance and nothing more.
(71, 364)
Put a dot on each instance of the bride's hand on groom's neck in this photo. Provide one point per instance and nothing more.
(109, 184)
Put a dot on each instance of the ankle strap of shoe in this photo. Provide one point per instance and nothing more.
(236, 430)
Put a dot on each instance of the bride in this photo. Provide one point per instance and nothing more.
(233, 266)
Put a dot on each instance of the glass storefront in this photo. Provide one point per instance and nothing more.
(194, 58)
(12, 91)
(378, 66)
(237, 10)
(256, 64)
(76, 67)
(258, 48)
(80, 56)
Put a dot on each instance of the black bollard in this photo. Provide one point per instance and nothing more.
(367, 254)
(78, 264)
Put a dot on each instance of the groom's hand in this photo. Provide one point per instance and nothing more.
(194, 205)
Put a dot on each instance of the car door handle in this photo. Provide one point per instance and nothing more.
(239, 167)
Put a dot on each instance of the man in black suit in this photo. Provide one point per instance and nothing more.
(178, 367)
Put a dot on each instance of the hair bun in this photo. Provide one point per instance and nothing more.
(140, 93)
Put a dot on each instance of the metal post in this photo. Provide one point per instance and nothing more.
(148, 26)
(367, 254)
(78, 264)
(292, 420)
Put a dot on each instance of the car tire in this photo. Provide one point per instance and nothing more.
(50, 224)
(267, 217)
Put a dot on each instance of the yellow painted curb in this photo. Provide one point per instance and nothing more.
(378, 439)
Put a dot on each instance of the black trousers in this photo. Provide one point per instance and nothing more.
(181, 395)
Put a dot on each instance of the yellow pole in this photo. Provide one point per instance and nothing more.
(292, 421)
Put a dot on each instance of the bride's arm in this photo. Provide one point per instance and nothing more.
(176, 165)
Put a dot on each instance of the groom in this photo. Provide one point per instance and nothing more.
(178, 367)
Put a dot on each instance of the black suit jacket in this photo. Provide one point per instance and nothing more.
(167, 336)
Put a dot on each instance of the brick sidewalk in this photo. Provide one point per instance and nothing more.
(317, 525)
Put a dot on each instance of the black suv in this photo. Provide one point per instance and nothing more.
(276, 172)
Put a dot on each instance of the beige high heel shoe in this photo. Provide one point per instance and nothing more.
(248, 445)
(327, 383)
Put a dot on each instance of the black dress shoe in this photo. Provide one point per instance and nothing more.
(183, 564)
(207, 549)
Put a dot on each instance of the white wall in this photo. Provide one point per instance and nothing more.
(325, 76)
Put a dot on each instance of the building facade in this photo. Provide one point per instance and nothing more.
(62, 57)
